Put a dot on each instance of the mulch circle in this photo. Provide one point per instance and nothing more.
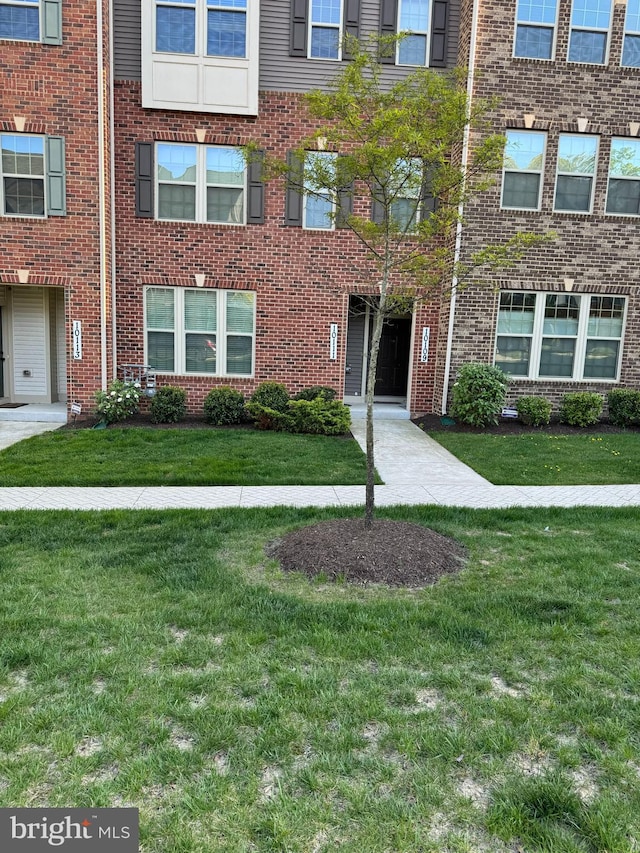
(396, 553)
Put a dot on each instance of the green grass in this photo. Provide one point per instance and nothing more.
(548, 460)
(181, 457)
(159, 660)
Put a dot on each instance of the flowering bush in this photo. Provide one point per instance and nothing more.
(119, 401)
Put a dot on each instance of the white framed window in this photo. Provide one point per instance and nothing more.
(623, 193)
(413, 20)
(201, 27)
(20, 19)
(589, 35)
(560, 335)
(200, 183)
(200, 331)
(318, 204)
(32, 175)
(406, 207)
(631, 46)
(535, 28)
(522, 169)
(575, 174)
(325, 30)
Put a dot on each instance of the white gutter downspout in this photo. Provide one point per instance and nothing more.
(102, 195)
(458, 246)
(112, 178)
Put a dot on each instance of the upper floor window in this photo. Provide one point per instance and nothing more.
(200, 331)
(20, 19)
(577, 156)
(31, 20)
(202, 27)
(413, 19)
(325, 32)
(32, 170)
(200, 183)
(318, 210)
(623, 195)
(535, 28)
(522, 169)
(590, 22)
(631, 48)
(559, 335)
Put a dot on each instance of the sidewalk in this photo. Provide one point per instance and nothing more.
(414, 467)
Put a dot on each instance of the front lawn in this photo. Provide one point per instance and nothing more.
(540, 459)
(181, 457)
(159, 660)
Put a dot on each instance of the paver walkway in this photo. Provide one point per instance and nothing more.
(414, 467)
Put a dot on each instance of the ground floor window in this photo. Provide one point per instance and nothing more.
(200, 331)
(560, 335)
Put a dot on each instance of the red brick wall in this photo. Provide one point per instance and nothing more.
(301, 278)
(55, 89)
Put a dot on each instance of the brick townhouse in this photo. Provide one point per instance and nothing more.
(133, 232)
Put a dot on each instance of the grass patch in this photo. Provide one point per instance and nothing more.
(548, 460)
(181, 457)
(159, 660)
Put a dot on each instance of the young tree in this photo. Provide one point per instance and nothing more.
(399, 148)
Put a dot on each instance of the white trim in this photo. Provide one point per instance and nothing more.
(540, 25)
(426, 33)
(324, 26)
(591, 175)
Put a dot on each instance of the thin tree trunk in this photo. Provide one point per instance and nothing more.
(378, 321)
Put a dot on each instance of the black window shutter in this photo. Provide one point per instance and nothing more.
(438, 51)
(255, 189)
(144, 179)
(298, 32)
(428, 202)
(351, 23)
(388, 27)
(293, 198)
(345, 201)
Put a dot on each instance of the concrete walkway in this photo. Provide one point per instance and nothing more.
(414, 467)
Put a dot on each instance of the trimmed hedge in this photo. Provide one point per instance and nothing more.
(168, 405)
(533, 411)
(479, 393)
(223, 406)
(624, 407)
(581, 408)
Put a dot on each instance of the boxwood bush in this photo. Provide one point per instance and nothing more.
(479, 393)
(169, 405)
(581, 408)
(533, 411)
(624, 407)
(223, 406)
(271, 395)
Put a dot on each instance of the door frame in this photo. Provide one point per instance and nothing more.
(404, 399)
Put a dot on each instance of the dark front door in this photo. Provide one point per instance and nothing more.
(393, 361)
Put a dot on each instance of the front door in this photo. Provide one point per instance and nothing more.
(393, 360)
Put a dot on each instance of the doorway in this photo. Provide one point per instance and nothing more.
(393, 360)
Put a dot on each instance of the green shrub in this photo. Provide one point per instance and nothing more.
(319, 416)
(479, 393)
(323, 391)
(271, 395)
(581, 408)
(223, 405)
(118, 402)
(169, 405)
(533, 411)
(265, 417)
(624, 407)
